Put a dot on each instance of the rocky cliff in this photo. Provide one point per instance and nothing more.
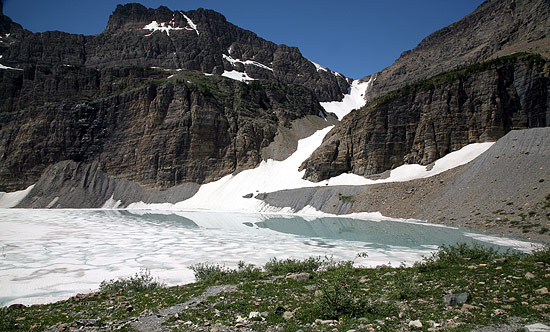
(497, 28)
(423, 122)
(145, 99)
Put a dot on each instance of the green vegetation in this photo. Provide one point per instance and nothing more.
(459, 74)
(502, 287)
(141, 281)
(346, 198)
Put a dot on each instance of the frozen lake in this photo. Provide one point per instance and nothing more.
(48, 255)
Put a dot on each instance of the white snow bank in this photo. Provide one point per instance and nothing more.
(9, 200)
(227, 193)
(6, 67)
(353, 100)
(506, 242)
(237, 75)
(318, 66)
(245, 62)
(169, 26)
(191, 23)
(454, 159)
(163, 26)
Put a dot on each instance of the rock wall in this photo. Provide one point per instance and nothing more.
(421, 123)
(188, 128)
(69, 184)
(497, 28)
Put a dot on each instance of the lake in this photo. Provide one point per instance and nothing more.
(48, 255)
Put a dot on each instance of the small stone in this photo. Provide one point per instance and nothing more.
(415, 323)
(238, 325)
(529, 276)
(501, 260)
(87, 322)
(287, 315)
(299, 276)
(542, 307)
(537, 328)
(467, 307)
(325, 322)
(254, 314)
(454, 299)
(498, 268)
(542, 291)
(499, 312)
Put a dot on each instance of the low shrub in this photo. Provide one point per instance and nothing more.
(214, 273)
(141, 281)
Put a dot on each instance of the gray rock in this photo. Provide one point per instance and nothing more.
(455, 299)
(537, 328)
(299, 276)
(87, 322)
(287, 315)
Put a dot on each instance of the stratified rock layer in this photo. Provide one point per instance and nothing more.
(497, 28)
(136, 101)
(423, 122)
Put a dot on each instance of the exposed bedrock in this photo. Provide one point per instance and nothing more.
(70, 184)
(496, 28)
(189, 128)
(138, 103)
(423, 122)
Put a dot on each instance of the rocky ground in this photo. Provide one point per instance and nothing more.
(459, 289)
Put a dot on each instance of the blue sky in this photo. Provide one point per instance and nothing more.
(354, 37)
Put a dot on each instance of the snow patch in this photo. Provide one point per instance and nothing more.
(237, 76)
(169, 26)
(9, 200)
(354, 99)
(164, 27)
(318, 66)
(246, 62)
(6, 67)
(505, 242)
(227, 193)
(191, 23)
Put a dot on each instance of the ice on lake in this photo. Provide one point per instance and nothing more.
(48, 255)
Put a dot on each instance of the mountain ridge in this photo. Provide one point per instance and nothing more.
(56, 82)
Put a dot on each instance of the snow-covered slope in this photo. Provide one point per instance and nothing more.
(353, 100)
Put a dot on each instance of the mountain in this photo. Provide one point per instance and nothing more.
(459, 86)
(152, 99)
(494, 29)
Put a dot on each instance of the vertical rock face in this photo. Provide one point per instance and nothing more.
(190, 128)
(135, 99)
(424, 122)
(497, 28)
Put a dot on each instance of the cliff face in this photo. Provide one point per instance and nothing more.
(137, 102)
(425, 121)
(188, 128)
(497, 28)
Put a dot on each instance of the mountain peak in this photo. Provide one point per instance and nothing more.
(135, 15)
